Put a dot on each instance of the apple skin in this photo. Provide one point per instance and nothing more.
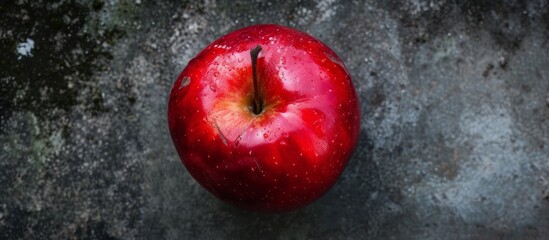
(288, 155)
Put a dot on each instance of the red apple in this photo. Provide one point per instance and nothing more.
(265, 118)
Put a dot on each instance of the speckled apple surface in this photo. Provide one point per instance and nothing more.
(454, 136)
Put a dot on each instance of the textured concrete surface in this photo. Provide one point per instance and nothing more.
(455, 120)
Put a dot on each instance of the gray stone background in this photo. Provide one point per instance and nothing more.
(454, 138)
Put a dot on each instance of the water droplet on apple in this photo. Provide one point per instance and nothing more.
(216, 74)
(265, 135)
(240, 60)
(184, 82)
(213, 85)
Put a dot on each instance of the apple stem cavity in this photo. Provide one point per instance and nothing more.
(257, 106)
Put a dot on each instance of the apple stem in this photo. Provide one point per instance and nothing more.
(257, 106)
